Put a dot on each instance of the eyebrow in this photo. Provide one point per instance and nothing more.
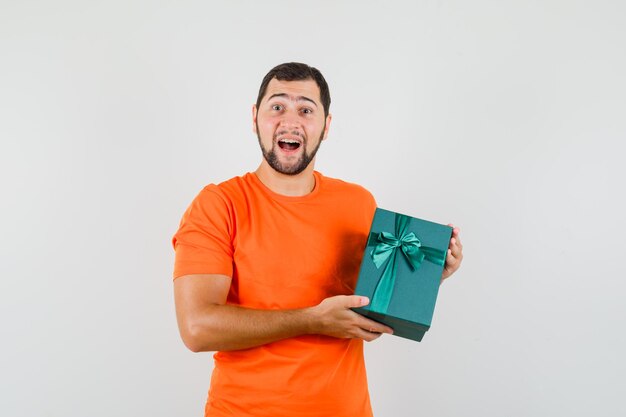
(298, 98)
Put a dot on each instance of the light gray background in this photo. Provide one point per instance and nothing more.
(506, 118)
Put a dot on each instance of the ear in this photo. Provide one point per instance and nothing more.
(254, 112)
(328, 119)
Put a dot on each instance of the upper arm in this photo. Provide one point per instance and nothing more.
(194, 295)
(204, 239)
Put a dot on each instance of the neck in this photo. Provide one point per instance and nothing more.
(289, 185)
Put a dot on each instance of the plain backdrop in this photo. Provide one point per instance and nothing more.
(505, 118)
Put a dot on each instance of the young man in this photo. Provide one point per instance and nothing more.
(266, 265)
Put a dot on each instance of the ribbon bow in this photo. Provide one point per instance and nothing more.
(413, 252)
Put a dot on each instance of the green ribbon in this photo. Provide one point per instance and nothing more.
(387, 248)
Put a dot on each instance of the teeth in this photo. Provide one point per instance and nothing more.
(289, 141)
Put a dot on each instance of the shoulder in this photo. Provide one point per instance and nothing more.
(214, 201)
(216, 205)
(226, 192)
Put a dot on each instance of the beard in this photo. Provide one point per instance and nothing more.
(293, 168)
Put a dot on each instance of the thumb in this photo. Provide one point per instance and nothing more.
(357, 301)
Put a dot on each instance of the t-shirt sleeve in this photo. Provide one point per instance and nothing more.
(203, 242)
(367, 204)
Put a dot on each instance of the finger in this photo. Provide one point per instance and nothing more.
(455, 230)
(455, 250)
(367, 336)
(451, 258)
(353, 301)
(453, 261)
(455, 245)
(451, 266)
(372, 326)
(456, 235)
(457, 238)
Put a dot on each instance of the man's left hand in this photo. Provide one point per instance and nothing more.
(455, 254)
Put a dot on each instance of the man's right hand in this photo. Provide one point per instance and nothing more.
(334, 317)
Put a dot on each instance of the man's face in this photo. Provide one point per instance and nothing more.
(290, 124)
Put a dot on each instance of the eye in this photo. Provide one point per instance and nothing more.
(307, 111)
(277, 107)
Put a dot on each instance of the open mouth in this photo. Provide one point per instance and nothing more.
(288, 144)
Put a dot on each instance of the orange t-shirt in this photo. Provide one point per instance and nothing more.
(282, 253)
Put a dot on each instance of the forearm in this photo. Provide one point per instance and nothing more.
(207, 323)
(228, 327)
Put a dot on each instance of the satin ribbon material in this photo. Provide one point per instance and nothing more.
(387, 250)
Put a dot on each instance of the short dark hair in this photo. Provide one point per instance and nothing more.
(296, 71)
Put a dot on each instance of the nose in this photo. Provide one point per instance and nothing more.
(290, 121)
(290, 118)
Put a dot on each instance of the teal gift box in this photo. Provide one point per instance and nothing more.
(401, 272)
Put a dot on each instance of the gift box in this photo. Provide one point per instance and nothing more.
(401, 272)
